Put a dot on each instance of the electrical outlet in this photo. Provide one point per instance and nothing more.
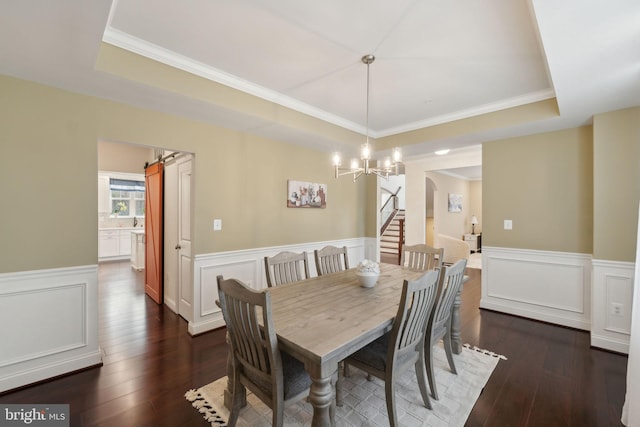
(217, 224)
(508, 224)
(616, 309)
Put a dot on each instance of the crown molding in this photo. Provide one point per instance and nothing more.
(471, 112)
(141, 47)
(157, 53)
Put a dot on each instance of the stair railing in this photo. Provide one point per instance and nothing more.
(400, 240)
(389, 210)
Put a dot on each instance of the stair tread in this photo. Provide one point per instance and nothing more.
(389, 240)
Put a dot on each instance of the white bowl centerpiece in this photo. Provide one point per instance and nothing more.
(368, 273)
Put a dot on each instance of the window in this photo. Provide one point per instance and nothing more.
(127, 197)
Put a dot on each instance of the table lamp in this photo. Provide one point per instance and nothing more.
(474, 221)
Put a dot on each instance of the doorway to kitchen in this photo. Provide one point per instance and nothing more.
(175, 269)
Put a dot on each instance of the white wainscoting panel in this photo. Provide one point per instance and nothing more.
(49, 324)
(553, 287)
(248, 266)
(612, 300)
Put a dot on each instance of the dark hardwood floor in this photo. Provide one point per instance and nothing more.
(551, 378)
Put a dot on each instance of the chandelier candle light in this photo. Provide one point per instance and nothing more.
(389, 165)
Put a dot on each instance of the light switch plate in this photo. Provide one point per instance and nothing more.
(508, 224)
(217, 224)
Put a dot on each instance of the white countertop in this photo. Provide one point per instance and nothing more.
(121, 228)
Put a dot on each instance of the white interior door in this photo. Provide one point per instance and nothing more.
(171, 236)
(178, 257)
(185, 256)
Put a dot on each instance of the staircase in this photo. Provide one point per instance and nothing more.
(390, 239)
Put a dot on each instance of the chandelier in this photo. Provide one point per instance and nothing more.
(389, 165)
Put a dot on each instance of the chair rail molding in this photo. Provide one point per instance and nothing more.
(50, 319)
(248, 266)
(612, 302)
(553, 287)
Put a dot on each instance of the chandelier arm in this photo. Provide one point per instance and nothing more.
(346, 171)
(357, 173)
(380, 172)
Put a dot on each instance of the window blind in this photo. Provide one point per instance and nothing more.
(125, 185)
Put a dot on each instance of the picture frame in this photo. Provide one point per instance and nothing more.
(306, 195)
(455, 202)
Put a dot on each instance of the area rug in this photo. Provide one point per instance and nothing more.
(364, 401)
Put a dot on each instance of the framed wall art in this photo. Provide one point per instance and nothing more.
(302, 194)
(455, 202)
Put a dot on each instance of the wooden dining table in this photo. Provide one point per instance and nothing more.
(324, 319)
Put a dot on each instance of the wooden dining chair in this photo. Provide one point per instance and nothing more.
(275, 377)
(421, 257)
(404, 346)
(439, 327)
(286, 267)
(331, 259)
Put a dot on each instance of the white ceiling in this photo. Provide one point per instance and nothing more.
(436, 61)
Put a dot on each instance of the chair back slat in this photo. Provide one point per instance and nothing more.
(331, 259)
(405, 343)
(451, 281)
(421, 257)
(286, 267)
(253, 342)
(255, 362)
(416, 305)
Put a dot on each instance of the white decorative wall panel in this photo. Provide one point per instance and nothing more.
(56, 317)
(612, 299)
(548, 286)
(49, 324)
(248, 266)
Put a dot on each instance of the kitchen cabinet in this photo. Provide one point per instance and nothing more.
(137, 250)
(124, 248)
(108, 243)
(115, 243)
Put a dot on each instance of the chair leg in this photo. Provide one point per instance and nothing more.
(339, 396)
(430, 374)
(345, 369)
(390, 397)
(449, 352)
(278, 413)
(237, 401)
(421, 374)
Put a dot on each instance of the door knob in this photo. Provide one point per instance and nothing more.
(178, 247)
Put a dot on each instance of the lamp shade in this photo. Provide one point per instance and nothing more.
(474, 220)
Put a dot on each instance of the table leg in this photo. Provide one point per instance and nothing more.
(456, 345)
(321, 397)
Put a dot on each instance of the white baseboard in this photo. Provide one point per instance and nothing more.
(248, 266)
(50, 324)
(549, 286)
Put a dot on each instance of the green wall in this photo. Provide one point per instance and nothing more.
(544, 184)
(616, 143)
(575, 190)
(48, 179)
